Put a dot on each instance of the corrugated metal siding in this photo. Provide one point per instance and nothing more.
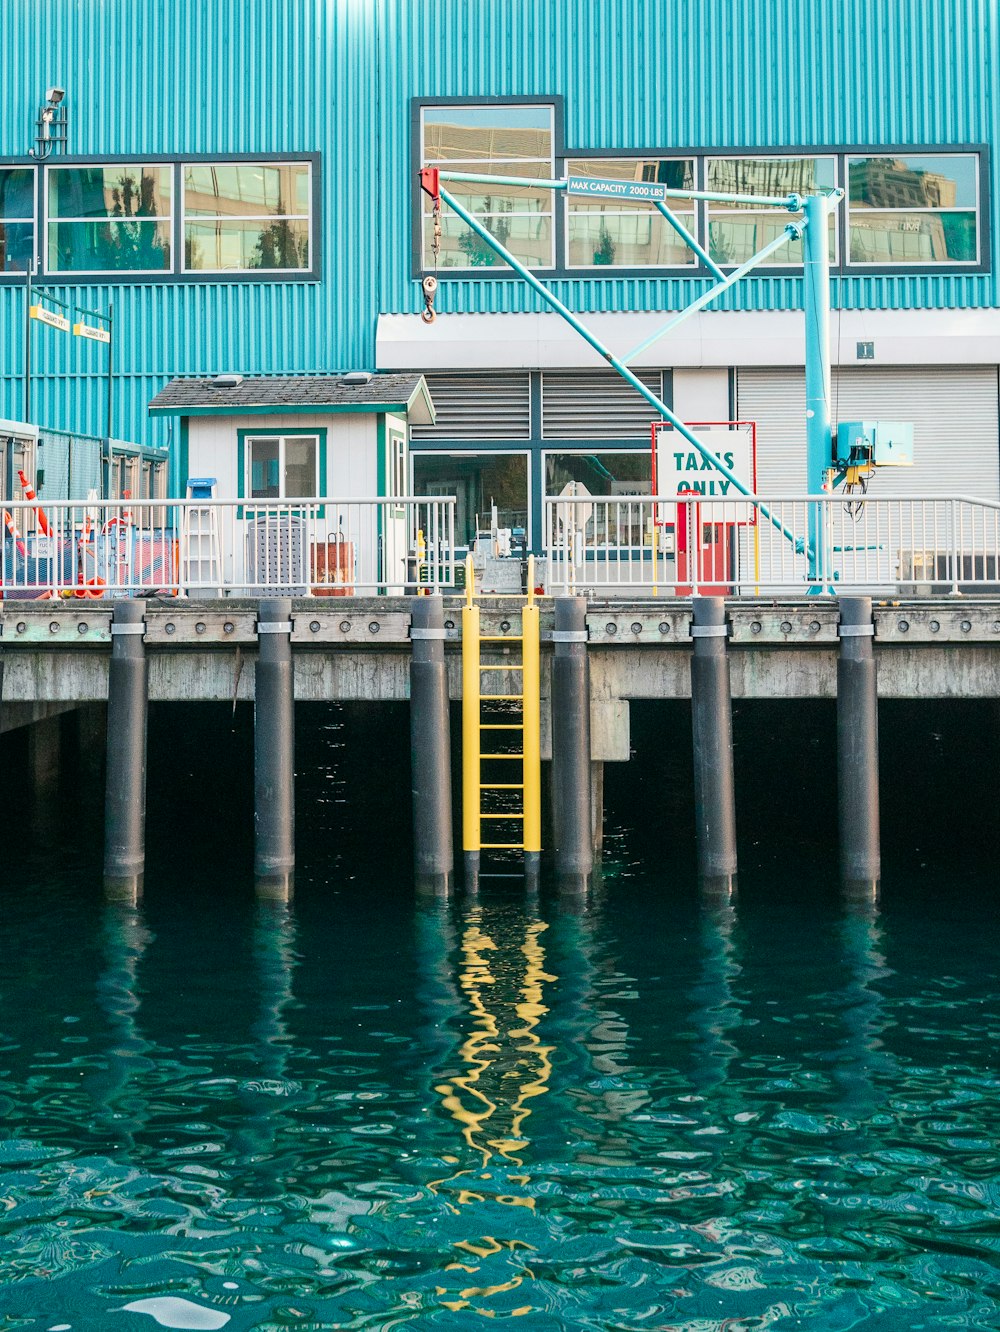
(337, 76)
(478, 406)
(596, 404)
(953, 409)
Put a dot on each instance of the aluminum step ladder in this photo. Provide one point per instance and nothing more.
(201, 549)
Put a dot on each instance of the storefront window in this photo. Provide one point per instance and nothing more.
(737, 231)
(613, 234)
(246, 216)
(108, 219)
(478, 481)
(508, 140)
(914, 209)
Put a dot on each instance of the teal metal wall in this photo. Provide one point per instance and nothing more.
(337, 77)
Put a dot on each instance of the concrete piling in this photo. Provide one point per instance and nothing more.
(125, 786)
(274, 752)
(572, 797)
(857, 748)
(712, 733)
(430, 748)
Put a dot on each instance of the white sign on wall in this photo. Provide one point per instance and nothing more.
(682, 470)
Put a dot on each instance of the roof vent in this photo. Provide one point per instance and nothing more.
(226, 381)
(357, 377)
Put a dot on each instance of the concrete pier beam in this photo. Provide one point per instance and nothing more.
(857, 749)
(274, 752)
(430, 749)
(712, 735)
(125, 785)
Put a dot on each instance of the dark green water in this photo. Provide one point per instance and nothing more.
(645, 1111)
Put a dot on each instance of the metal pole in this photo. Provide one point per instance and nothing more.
(274, 751)
(857, 748)
(111, 346)
(712, 730)
(430, 748)
(471, 759)
(689, 241)
(792, 231)
(572, 798)
(816, 304)
(616, 364)
(125, 789)
(27, 342)
(532, 740)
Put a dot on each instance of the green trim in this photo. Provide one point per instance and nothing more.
(381, 457)
(241, 460)
(285, 409)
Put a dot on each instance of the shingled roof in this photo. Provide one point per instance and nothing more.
(274, 394)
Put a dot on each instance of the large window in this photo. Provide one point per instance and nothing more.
(737, 231)
(282, 466)
(478, 481)
(17, 212)
(504, 140)
(613, 234)
(240, 216)
(615, 472)
(103, 219)
(913, 209)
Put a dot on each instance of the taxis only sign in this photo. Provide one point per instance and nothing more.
(681, 470)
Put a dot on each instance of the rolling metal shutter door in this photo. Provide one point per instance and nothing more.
(597, 404)
(477, 406)
(954, 411)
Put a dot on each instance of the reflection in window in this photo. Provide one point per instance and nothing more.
(17, 211)
(245, 216)
(478, 481)
(507, 140)
(919, 209)
(609, 473)
(620, 234)
(282, 467)
(108, 218)
(737, 231)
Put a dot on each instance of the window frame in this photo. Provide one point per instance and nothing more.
(182, 267)
(745, 210)
(418, 105)
(243, 438)
(176, 273)
(841, 152)
(421, 104)
(920, 265)
(692, 269)
(71, 274)
(24, 164)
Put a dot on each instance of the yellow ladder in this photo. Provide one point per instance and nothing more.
(529, 814)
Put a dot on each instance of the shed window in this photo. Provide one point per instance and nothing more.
(17, 211)
(104, 219)
(252, 216)
(605, 233)
(737, 231)
(504, 140)
(282, 467)
(917, 209)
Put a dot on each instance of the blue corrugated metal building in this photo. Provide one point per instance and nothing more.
(238, 185)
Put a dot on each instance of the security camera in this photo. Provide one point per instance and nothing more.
(55, 95)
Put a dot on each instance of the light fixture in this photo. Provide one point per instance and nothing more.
(50, 125)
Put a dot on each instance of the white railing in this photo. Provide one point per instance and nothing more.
(904, 545)
(321, 547)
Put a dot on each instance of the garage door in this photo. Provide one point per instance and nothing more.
(954, 412)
